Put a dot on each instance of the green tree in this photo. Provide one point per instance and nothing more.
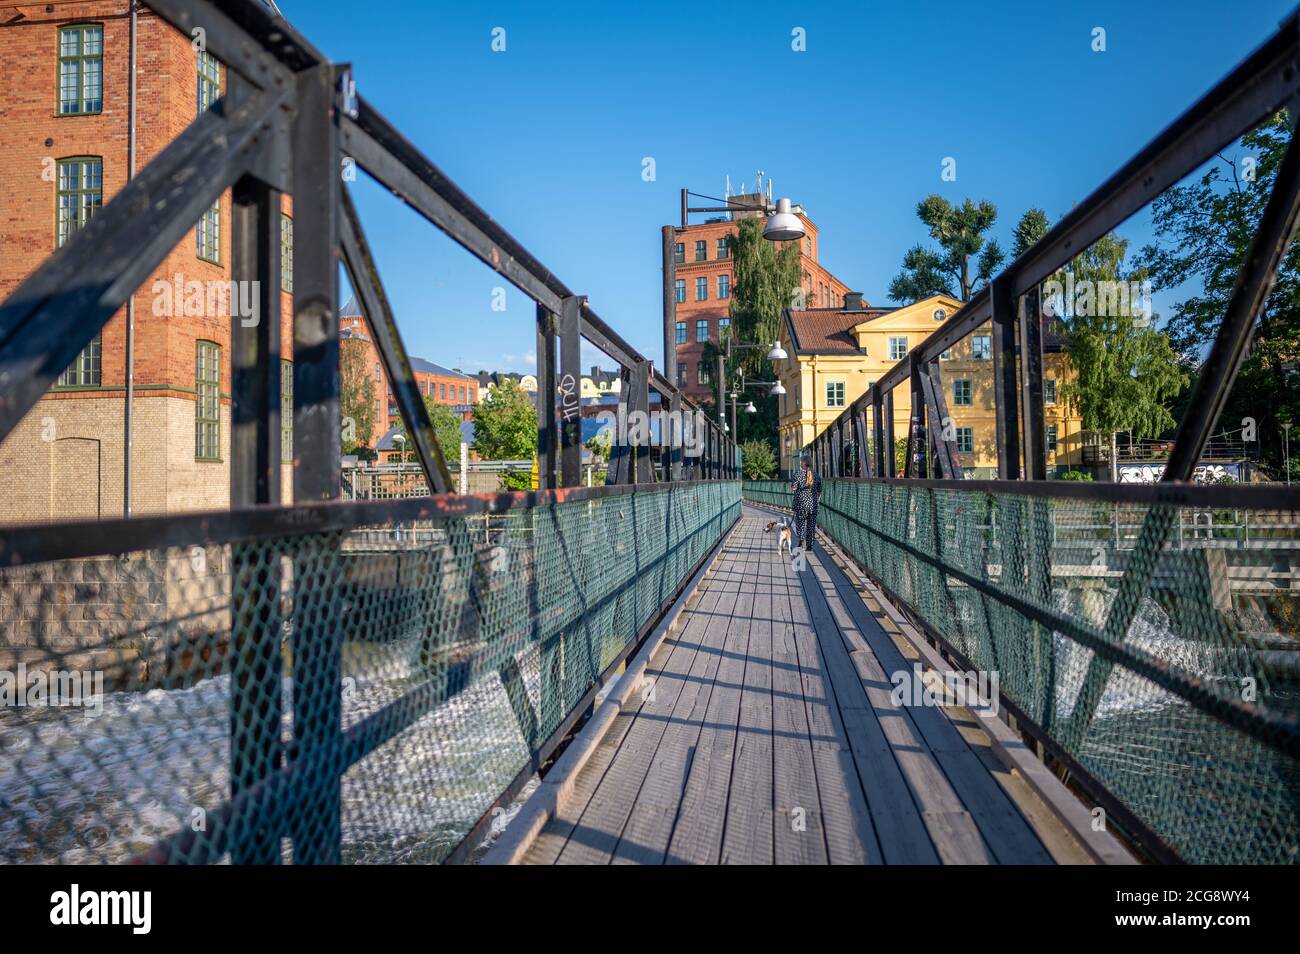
(1032, 226)
(356, 395)
(505, 428)
(600, 445)
(1203, 231)
(446, 429)
(765, 277)
(960, 232)
(1127, 371)
(758, 460)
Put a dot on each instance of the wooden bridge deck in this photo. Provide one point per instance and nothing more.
(770, 736)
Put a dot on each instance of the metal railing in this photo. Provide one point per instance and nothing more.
(329, 680)
(1184, 727)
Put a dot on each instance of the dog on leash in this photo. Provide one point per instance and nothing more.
(783, 539)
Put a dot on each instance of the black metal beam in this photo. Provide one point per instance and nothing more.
(1034, 432)
(364, 275)
(1264, 82)
(547, 387)
(670, 302)
(246, 37)
(49, 318)
(1006, 412)
(396, 163)
(255, 435)
(639, 402)
(947, 456)
(570, 391)
(1254, 282)
(317, 203)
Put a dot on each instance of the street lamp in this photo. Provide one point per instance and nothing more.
(782, 225)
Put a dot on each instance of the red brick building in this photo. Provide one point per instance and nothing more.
(703, 290)
(65, 133)
(443, 385)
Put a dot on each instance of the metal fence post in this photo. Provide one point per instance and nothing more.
(570, 392)
(546, 391)
(256, 663)
(1006, 411)
(317, 637)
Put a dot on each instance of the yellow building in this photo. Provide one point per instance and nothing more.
(835, 354)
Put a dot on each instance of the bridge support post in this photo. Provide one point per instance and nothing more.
(317, 637)
(546, 391)
(1005, 410)
(570, 392)
(256, 664)
(1031, 385)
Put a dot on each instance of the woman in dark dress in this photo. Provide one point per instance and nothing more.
(807, 489)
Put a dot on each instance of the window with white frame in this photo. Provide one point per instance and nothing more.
(961, 392)
(680, 290)
(966, 440)
(834, 393)
(702, 288)
(897, 347)
(1049, 390)
(1051, 438)
(981, 347)
(702, 329)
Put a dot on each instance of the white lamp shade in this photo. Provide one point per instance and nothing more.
(778, 389)
(750, 409)
(784, 225)
(777, 353)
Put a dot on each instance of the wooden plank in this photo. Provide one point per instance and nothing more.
(648, 831)
(850, 836)
(697, 836)
(800, 835)
(602, 823)
(748, 832)
(931, 792)
(562, 829)
(895, 818)
(1007, 833)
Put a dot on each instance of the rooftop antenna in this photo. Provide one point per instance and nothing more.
(728, 192)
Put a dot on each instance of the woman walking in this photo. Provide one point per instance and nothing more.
(807, 488)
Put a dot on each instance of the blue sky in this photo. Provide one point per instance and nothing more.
(549, 135)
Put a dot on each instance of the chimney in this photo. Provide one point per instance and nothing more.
(853, 301)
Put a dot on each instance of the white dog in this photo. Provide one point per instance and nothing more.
(783, 537)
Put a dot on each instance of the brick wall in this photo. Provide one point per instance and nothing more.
(33, 138)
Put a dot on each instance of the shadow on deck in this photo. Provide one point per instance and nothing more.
(764, 733)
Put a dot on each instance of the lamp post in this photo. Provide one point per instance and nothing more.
(1286, 449)
(782, 225)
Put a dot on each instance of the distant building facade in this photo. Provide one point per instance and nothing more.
(65, 86)
(836, 354)
(703, 266)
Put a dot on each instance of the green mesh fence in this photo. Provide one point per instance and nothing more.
(358, 696)
(1178, 695)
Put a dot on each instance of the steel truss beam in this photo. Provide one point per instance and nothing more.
(364, 276)
(61, 306)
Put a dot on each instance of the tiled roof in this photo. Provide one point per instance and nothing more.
(827, 330)
(419, 364)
